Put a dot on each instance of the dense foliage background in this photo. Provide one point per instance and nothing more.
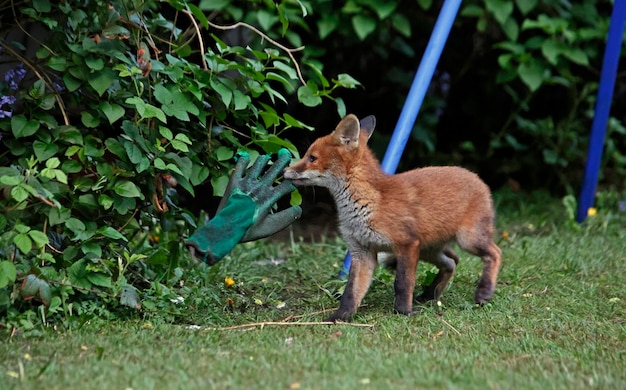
(119, 120)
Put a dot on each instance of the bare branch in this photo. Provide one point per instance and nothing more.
(270, 40)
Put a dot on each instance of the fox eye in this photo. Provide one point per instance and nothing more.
(312, 158)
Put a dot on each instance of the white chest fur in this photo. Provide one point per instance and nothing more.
(354, 210)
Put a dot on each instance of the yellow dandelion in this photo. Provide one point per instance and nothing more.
(505, 234)
(229, 282)
(592, 211)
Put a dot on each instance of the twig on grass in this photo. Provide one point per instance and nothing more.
(291, 317)
(450, 326)
(270, 323)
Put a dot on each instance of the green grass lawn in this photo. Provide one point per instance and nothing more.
(557, 321)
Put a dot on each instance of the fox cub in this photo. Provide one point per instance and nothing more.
(414, 215)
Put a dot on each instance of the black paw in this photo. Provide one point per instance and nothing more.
(339, 316)
(406, 312)
(424, 297)
(483, 295)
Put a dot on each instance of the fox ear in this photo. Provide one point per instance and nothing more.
(368, 124)
(347, 132)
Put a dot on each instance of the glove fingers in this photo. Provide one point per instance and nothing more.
(253, 174)
(276, 193)
(243, 159)
(284, 158)
(272, 223)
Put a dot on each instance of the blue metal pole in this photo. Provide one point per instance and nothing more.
(414, 100)
(603, 106)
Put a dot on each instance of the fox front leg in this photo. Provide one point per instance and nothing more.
(359, 279)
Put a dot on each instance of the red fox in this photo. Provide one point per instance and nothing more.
(414, 215)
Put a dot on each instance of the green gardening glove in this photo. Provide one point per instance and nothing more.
(244, 212)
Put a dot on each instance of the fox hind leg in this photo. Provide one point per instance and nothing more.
(491, 256)
(446, 260)
(479, 242)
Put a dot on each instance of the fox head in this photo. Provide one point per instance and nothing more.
(331, 157)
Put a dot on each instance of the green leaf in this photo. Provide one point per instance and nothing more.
(166, 133)
(113, 112)
(199, 15)
(146, 110)
(71, 83)
(346, 81)
(105, 201)
(525, 6)
(212, 5)
(127, 189)
(219, 184)
(11, 180)
(159, 164)
(241, 101)
(501, 9)
(91, 247)
(58, 215)
(7, 273)
(576, 55)
(108, 231)
(341, 107)
(295, 198)
(266, 19)
(57, 63)
(551, 49)
(327, 25)
(115, 147)
(101, 80)
(94, 63)
(22, 127)
(183, 138)
(511, 29)
(224, 153)
(42, 6)
(133, 152)
(174, 102)
(98, 279)
(532, 74)
(77, 274)
(179, 145)
(75, 225)
(425, 4)
(39, 238)
(384, 8)
(288, 70)
(89, 120)
(53, 163)
(401, 24)
(363, 25)
(308, 96)
(198, 174)
(44, 151)
(19, 193)
(225, 93)
(23, 242)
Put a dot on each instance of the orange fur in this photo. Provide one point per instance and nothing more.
(415, 215)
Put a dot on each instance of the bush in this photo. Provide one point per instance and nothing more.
(122, 107)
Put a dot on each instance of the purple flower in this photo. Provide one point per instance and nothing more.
(6, 100)
(14, 76)
(621, 206)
